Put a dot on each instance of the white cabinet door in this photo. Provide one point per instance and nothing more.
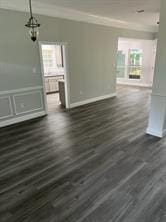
(52, 83)
(56, 86)
(47, 85)
(58, 78)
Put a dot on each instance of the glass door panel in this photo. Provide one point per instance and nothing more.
(135, 63)
(120, 70)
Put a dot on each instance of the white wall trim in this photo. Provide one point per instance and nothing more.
(153, 132)
(158, 94)
(28, 111)
(164, 132)
(10, 107)
(84, 102)
(156, 125)
(66, 13)
(66, 71)
(21, 90)
(133, 84)
(22, 118)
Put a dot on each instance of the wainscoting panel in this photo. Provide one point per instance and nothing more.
(6, 110)
(27, 102)
(21, 104)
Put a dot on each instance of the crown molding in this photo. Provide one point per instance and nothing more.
(66, 13)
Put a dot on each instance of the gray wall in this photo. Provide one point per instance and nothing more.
(156, 35)
(92, 59)
(92, 54)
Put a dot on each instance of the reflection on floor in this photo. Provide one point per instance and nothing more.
(53, 102)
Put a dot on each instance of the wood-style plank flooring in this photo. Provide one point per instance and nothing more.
(90, 164)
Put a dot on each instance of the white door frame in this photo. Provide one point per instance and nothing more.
(66, 71)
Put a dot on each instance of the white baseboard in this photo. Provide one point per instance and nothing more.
(87, 101)
(156, 133)
(22, 118)
(164, 132)
(134, 84)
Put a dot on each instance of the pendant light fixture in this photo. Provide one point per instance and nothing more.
(33, 25)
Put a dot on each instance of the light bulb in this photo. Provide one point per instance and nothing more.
(34, 33)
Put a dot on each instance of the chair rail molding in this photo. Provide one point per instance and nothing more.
(20, 90)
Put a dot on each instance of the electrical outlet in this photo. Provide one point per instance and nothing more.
(81, 92)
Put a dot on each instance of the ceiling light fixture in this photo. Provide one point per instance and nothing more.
(33, 25)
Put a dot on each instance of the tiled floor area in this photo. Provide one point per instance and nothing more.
(53, 102)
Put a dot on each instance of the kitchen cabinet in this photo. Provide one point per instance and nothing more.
(62, 92)
(47, 85)
(51, 83)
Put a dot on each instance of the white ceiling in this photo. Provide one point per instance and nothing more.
(119, 13)
(124, 10)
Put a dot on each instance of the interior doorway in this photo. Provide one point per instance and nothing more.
(55, 75)
(136, 62)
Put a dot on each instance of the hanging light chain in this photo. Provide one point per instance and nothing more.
(30, 7)
(32, 24)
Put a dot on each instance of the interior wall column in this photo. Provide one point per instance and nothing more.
(157, 118)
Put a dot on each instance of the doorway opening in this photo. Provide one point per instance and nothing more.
(136, 62)
(55, 75)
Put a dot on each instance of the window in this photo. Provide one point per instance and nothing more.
(135, 63)
(52, 60)
(48, 57)
(59, 56)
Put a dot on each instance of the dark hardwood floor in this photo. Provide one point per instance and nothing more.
(90, 164)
